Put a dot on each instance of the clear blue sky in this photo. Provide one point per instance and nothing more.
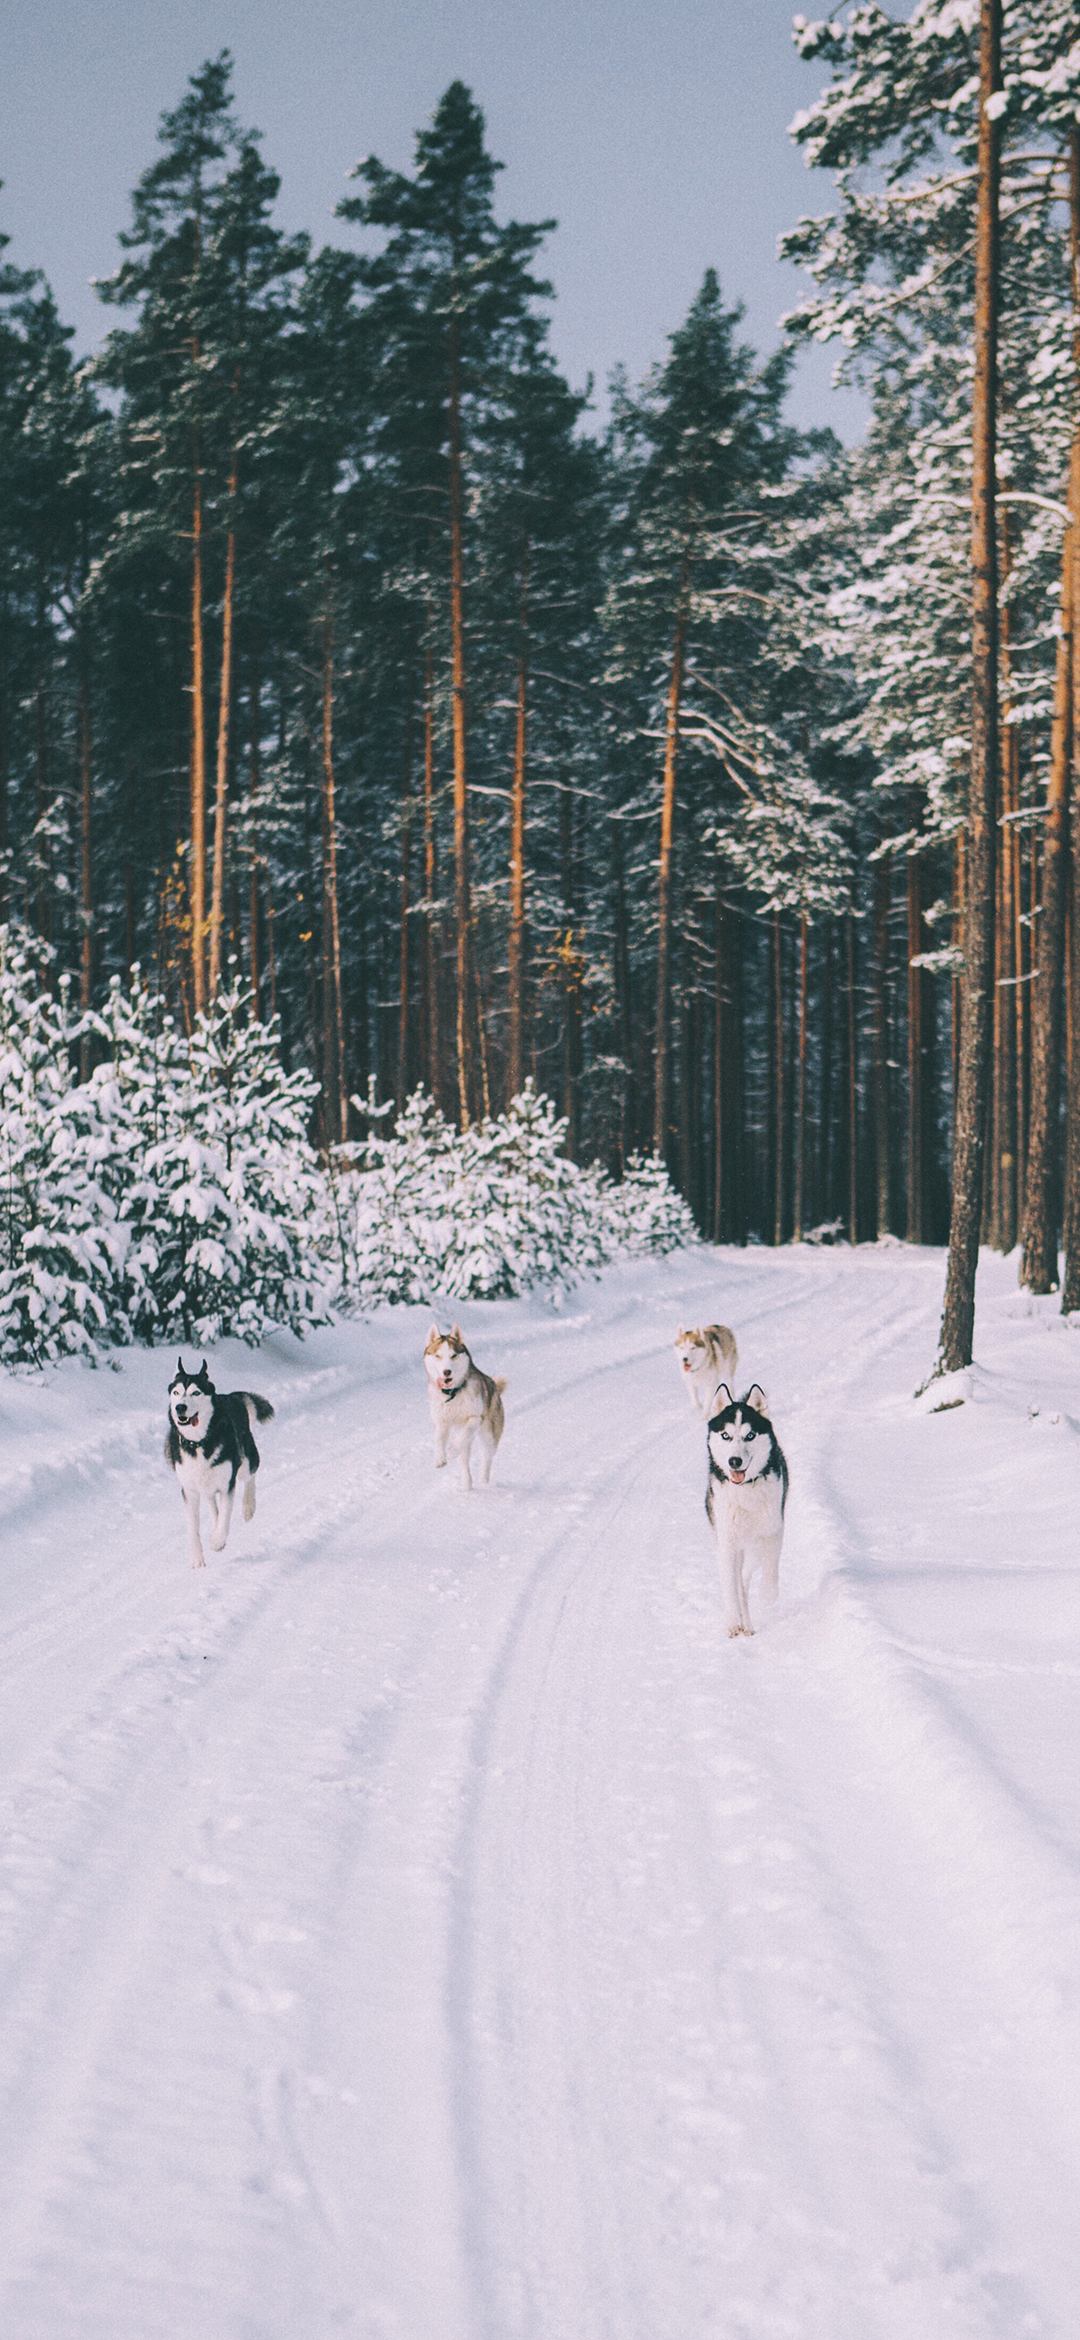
(654, 130)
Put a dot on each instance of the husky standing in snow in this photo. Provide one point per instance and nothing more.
(211, 1449)
(747, 1492)
(466, 1405)
(705, 1357)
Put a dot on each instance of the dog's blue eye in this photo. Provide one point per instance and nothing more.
(749, 1435)
(726, 1434)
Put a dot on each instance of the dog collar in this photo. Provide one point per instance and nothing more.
(189, 1445)
(449, 1393)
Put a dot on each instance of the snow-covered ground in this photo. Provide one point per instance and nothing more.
(426, 1924)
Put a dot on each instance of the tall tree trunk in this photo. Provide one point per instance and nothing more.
(958, 1314)
(572, 976)
(825, 1204)
(664, 876)
(86, 825)
(800, 1124)
(515, 1078)
(779, 1093)
(254, 776)
(462, 889)
(719, 1050)
(882, 1180)
(1005, 998)
(224, 713)
(337, 1102)
(1040, 1261)
(198, 755)
(404, 1052)
(916, 1184)
(5, 755)
(42, 857)
(1070, 1292)
(432, 1068)
(621, 954)
(852, 1115)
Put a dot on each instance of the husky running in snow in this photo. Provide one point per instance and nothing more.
(745, 1499)
(705, 1357)
(466, 1405)
(211, 1449)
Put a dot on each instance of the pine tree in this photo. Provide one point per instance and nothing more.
(449, 298)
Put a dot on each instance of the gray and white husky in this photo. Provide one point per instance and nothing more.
(706, 1356)
(212, 1451)
(466, 1405)
(745, 1500)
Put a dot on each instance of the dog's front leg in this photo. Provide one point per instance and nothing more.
(220, 1536)
(732, 1588)
(191, 1506)
(464, 1452)
(249, 1496)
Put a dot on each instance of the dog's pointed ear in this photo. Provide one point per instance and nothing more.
(722, 1391)
(755, 1396)
(681, 1330)
(180, 1373)
(456, 1334)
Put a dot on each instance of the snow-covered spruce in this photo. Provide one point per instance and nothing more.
(494, 1210)
(171, 1193)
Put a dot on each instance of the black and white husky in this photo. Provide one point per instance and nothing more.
(211, 1449)
(745, 1499)
(466, 1405)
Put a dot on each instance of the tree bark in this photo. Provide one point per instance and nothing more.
(664, 875)
(779, 1091)
(882, 1181)
(1070, 1291)
(916, 981)
(1005, 998)
(621, 954)
(337, 1102)
(1040, 1261)
(198, 758)
(516, 956)
(86, 825)
(852, 1090)
(800, 1126)
(432, 1069)
(224, 713)
(969, 1136)
(719, 1051)
(462, 889)
(404, 1052)
(253, 795)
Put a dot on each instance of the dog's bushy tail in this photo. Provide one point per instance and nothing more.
(500, 1385)
(259, 1408)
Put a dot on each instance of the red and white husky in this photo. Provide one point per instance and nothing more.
(466, 1405)
(705, 1357)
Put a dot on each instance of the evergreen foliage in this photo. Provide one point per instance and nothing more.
(338, 643)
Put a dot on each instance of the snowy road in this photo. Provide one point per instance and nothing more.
(427, 1926)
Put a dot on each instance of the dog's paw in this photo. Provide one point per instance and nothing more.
(440, 1462)
(735, 1630)
(199, 1560)
(217, 1543)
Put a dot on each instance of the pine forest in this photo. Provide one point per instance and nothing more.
(707, 787)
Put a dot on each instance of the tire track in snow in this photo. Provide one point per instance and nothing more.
(542, 2263)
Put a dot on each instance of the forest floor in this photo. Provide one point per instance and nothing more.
(426, 1925)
